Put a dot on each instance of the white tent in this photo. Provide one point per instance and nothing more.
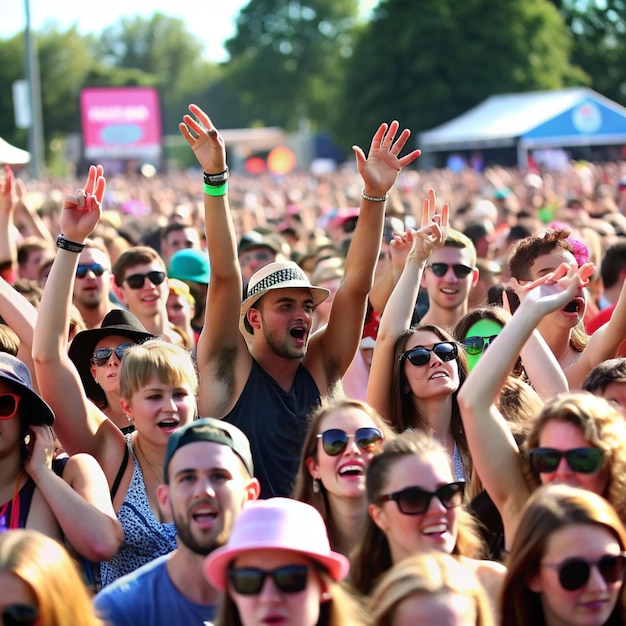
(561, 118)
(11, 155)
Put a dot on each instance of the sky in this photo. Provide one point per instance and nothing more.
(213, 21)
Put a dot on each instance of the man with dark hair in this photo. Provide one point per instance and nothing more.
(207, 478)
(539, 255)
(177, 236)
(608, 379)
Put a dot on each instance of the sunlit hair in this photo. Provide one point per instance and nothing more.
(9, 341)
(424, 575)
(47, 568)
(456, 239)
(549, 509)
(343, 608)
(172, 364)
(605, 373)
(601, 426)
(303, 489)
(372, 556)
(405, 414)
(527, 250)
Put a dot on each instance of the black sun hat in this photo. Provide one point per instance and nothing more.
(115, 322)
(33, 409)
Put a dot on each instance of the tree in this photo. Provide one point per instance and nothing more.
(425, 63)
(285, 57)
(598, 30)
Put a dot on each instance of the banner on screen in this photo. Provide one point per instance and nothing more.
(121, 123)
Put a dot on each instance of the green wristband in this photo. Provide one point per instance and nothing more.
(216, 191)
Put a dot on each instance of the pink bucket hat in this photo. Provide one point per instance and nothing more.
(278, 275)
(276, 524)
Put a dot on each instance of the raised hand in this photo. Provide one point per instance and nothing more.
(81, 211)
(434, 228)
(556, 289)
(7, 192)
(381, 167)
(204, 139)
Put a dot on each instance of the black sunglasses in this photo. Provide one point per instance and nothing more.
(415, 500)
(580, 460)
(460, 270)
(476, 345)
(335, 440)
(102, 355)
(574, 573)
(96, 268)
(418, 356)
(19, 615)
(136, 281)
(249, 581)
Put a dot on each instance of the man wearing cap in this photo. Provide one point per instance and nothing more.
(255, 251)
(259, 365)
(208, 476)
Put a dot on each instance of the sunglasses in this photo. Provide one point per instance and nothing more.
(574, 573)
(460, 270)
(415, 500)
(418, 356)
(8, 405)
(102, 355)
(335, 440)
(476, 345)
(580, 460)
(249, 581)
(19, 615)
(96, 268)
(136, 281)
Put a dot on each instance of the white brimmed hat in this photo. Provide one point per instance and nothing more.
(281, 524)
(278, 275)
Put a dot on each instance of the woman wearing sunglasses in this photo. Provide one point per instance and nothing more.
(40, 584)
(415, 505)
(577, 438)
(416, 373)
(343, 436)
(567, 562)
(157, 389)
(277, 567)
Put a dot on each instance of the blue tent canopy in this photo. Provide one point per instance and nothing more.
(561, 118)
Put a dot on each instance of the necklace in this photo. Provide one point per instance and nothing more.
(14, 522)
(148, 461)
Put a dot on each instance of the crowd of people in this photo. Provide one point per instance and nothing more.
(320, 400)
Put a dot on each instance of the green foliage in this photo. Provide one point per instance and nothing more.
(598, 30)
(425, 63)
(285, 58)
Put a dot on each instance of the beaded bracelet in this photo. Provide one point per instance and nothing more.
(215, 191)
(70, 246)
(216, 180)
(374, 198)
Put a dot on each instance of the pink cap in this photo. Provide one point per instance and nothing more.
(276, 524)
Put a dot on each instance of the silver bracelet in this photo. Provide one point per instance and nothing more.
(374, 198)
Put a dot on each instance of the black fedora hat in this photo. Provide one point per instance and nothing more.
(33, 409)
(115, 322)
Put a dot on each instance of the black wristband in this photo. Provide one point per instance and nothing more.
(216, 180)
(70, 246)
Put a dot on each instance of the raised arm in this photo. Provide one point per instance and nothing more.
(603, 344)
(79, 500)
(336, 345)
(396, 317)
(78, 420)
(8, 254)
(223, 358)
(494, 451)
